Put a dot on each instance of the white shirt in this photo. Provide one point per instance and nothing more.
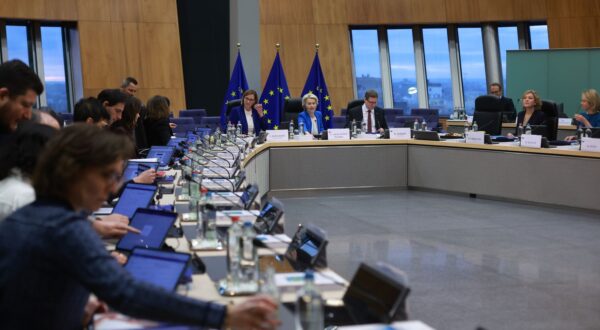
(366, 118)
(250, 121)
(15, 192)
(315, 127)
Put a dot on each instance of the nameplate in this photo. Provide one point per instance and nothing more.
(590, 144)
(338, 134)
(564, 121)
(277, 135)
(402, 133)
(475, 137)
(531, 141)
(305, 137)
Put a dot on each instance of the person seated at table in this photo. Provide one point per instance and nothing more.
(249, 114)
(127, 124)
(158, 130)
(52, 260)
(90, 111)
(310, 117)
(369, 114)
(531, 114)
(590, 104)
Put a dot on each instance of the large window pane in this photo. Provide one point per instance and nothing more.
(402, 62)
(539, 36)
(54, 68)
(472, 65)
(508, 39)
(365, 47)
(437, 63)
(16, 42)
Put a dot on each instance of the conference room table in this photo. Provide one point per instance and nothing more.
(458, 126)
(562, 176)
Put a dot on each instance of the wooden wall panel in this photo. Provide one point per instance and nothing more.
(102, 54)
(160, 56)
(296, 12)
(329, 12)
(428, 11)
(334, 54)
(529, 10)
(94, 10)
(270, 12)
(159, 11)
(125, 11)
(297, 51)
(340, 97)
(133, 54)
(463, 11)
(573, 8)
(493, 10)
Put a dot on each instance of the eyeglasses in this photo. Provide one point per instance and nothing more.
(112, 176)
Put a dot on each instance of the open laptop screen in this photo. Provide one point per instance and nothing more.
(134, 169)
(163, 153)
(134, 196)
(154, 226)
(161, 268)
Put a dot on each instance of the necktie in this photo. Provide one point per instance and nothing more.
(369, 123)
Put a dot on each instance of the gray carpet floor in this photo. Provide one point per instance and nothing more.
(470, 262)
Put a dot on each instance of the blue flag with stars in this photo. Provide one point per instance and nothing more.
(237, 85)
(315, 84)
(274, 94)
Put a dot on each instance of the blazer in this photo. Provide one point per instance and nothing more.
(304, 117)
(158, 131)
(356, 114)
(537, 118)
(237, 115)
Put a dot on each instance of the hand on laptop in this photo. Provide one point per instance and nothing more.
(113, 226)
(147, 177)
(258, 312)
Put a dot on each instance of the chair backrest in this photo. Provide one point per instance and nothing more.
(405, 121)
(211, 122)
(432, 117)
(355, 103)
(291, 108)
(344, 111)
(184, 124)
(488, 103)
(67, 118)
(490, 122)
(196, 114)
(551, 111)
(233, 103)
(339, 121)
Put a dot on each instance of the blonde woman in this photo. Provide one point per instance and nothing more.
(590, 104)
(312, 119)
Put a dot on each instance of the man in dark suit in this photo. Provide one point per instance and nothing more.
(508, 113)
(369, 114)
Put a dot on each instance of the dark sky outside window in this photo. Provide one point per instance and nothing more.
(437, 63)
(472, 65)
(402, 62)
(365, 47)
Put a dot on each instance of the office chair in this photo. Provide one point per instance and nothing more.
(490, 122)
(196, 114)
(291, 108)
(550, 109)
(232, 104)
(354, 104)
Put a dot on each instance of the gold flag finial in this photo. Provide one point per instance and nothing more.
(277, 46)
(317, 47)
(239, 45)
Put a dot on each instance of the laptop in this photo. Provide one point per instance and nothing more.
(134, 196)
(249, 196)
(376, 294)
(154, 226)
(426, 135)
(268, 218)
(160, 268)
(162, 153)
(134, 168)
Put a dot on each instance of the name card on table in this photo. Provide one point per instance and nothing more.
(590, 144)
(402, 133)
(565, 121)
(531, 141)
(337, 134)
(475, 137)
(277, 135)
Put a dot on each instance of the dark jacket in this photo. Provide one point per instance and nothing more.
(537, 118)
(158, 131)
(237, 115)
(51, 259)
(356, 114)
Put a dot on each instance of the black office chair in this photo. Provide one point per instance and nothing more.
(550, 109)
(291, 108)
(490, 122)
(354, 104)
(232, 104)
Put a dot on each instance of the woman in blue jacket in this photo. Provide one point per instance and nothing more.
(312, 119)
(250, 114)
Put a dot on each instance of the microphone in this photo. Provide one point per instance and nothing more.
(235, 159)
(226, 169)
(232, 201)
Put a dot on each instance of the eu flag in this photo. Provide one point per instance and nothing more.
(274, 94)
(237, 85)
(315, 84)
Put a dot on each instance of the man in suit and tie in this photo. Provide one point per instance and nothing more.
(509, 113)
(369, 114)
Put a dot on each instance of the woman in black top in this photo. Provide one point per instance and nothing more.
(158, 131)
(531, 113)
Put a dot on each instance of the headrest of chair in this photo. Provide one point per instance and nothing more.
(489, 103)
(293, 105)
(549, 108)
(355, 103)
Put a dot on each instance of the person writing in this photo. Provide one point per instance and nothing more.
(369, 114)
(249, 114)
(52, 260)
(310, 117)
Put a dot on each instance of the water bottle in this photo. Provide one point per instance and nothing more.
(423, 125)
(234, 234)
(209, 220)
(267, 284)
(301, 126)
(185, 184)
(528, 129)
(238, 129)
(353, 128)
(364, 128)
(466, 128)
(248, 255)
(291, 130)
(416, 125)
(520, 130)
(309, 305)
(195, 194)
(475, 127)
(588, 132)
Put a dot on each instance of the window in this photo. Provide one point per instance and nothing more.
(45, 48)
(55, 81)
(539, 36)
(366, 61)
(17, 43)
(472, 65)
(403, 69)
(508, 39)
(437, 64)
